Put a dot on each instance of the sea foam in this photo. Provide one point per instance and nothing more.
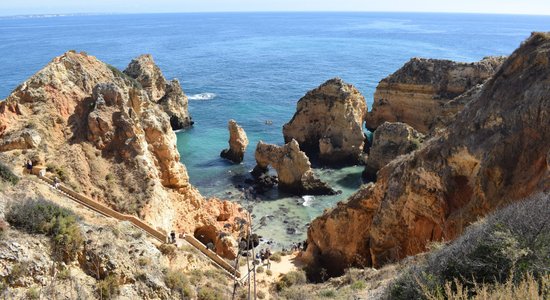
(202, 96)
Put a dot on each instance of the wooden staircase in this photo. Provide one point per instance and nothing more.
(138, 223)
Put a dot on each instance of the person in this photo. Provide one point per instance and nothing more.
(56, 182)
(173, 236)
(210, 246)
(29, 166)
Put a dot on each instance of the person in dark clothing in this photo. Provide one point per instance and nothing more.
(29, 166)
(173, 237)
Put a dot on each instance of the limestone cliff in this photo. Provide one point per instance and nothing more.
(329, 123)
(389, 141)
(495, 152)
(174, 101)
(238, 141)
(293, 168)
(417, 93)
(99, 131)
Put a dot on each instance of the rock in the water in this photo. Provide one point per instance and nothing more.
(237, 143)
(293, 169)
(328, 122)
(416, 93)
(389, 141)
(169, 94)
(494, 153)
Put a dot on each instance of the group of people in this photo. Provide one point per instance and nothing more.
(264, 256)
(300, 246)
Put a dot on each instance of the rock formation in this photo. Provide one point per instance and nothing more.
(329, 123)
(169, 94)
(389, 141)
(416, 93)
(495, 152)
(99, 131)
(237, 143)
(293, 168)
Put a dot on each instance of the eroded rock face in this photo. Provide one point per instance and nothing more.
(238, 141)
(169, 94)
(292, 166)
(389, 141)
(328, 123)
(417, 92)
(111, 141)
(494, 153)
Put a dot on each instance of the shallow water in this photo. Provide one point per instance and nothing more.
(253, 67)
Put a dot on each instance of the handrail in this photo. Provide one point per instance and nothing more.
(211, 254)
(104, 210)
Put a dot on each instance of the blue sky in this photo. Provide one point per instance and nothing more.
(16, 7)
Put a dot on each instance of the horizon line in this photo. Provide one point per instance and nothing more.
(264, 11)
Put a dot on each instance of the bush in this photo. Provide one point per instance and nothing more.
(276, 257)
(208, 293)
(42, 216)
(177, 282)
(291, 278)
(261, 295)
(58, 171)
(108, 288)
(504, 247)
(33, 293)
(7, 175)
(358, 285)
(327, 293)
(260, 269)
(268, 272)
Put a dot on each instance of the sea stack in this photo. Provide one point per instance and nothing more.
(293, 169)
(238, 141)
(417, 93)
(495, 152)
(168, 94)
(328, 123)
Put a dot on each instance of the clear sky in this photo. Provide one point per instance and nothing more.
(18, 7)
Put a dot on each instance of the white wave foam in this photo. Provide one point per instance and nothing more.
(308, 200)
(202, 96)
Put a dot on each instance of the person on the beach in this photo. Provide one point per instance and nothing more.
(173, 236)
(56, 182)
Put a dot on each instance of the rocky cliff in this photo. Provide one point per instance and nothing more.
(495, 152)
(101, 133)
(169, 94)
(328, 123)
(389, 141)
(238, 141)
(417, 93)
(293, 169)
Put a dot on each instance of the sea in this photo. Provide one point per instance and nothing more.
(254, 67)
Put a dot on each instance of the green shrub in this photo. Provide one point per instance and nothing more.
(144, 261)
(177, 282)
(291, 278)
(64, 274)
(7, 175)
(58, 171)
(108, 288)
(260, 269)
(33, 293)
(18, 270)
(208, 293)
(268, 272)
(327, 293)
(358, 285)
(503, 247)
(276, 257)
(42, 216)
(261, 295)
(168, 250)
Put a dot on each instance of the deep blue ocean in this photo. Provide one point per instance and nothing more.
(253, 67)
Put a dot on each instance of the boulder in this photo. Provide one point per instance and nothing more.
(417, 93)
(328, 123)
(237, 143)
(390, 140)
(293, 169)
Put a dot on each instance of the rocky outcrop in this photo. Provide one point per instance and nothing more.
(238, 141)
(495, 152)
(329, 123)
(389, 141)
(101, 131)
(293, 168)
(169, 94)
(417, 93)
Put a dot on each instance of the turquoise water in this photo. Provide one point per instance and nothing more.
(255, 67)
